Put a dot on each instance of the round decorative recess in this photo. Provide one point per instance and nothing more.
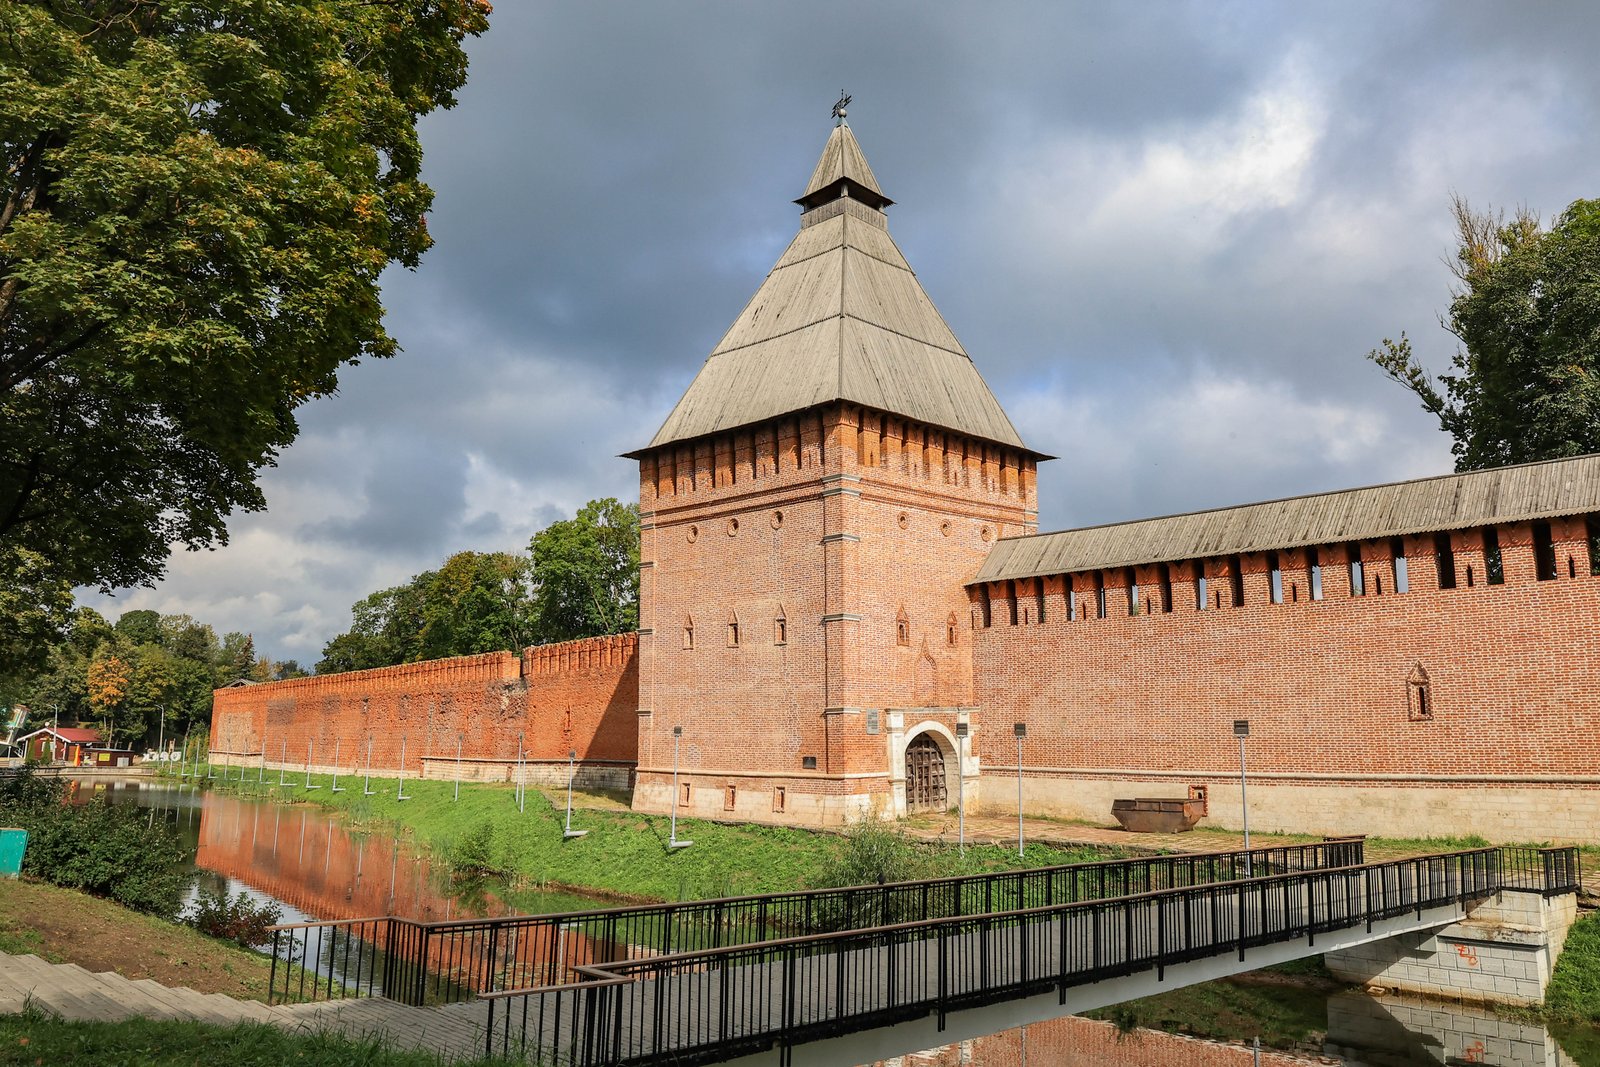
(692, 533)
(733, 527)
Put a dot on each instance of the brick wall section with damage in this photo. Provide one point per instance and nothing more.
(1340, 739)
(575, 696)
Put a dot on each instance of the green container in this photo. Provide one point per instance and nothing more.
(12, 844)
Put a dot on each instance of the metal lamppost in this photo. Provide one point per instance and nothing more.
(283, 760)
(1241, 730)
(460, 737)
(961, 789)
(309, 746)
(400, 786)
(672, 840)
(366, 789)
(1021, 731)
(337, 788)
(570, 833)
(522, 785)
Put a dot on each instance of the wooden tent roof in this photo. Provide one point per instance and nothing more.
(840, 317)
(1449, 502)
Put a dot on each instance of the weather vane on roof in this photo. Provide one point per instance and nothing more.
(838, 109)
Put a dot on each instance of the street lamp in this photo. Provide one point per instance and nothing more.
(460, 738)
(570, 833)
(1241, 730)
(1021, 730)
(400, 786)
(961, 790)
(672, 840)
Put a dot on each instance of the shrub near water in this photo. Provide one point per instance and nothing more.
(97, 847)
(237, 918)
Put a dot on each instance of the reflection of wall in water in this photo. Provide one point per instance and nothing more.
(310, 862)
(1088, 1043)
(1402, 1031)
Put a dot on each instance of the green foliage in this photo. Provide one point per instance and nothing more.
(200, 199)
(473, 852)
(146, 670)
(586, 572)
(1526, 382)
(34, 1036)
(476, 602)
(873, 852)
(238, 918)
(580, 580)
(35, 610)
(105, 849)
(1574, 991)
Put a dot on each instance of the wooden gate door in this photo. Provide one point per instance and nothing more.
(925, 788)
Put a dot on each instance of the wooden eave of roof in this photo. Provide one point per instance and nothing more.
(1521, 493)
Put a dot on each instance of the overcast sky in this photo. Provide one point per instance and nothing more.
(1168, 234)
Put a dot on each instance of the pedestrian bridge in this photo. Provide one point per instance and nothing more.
(866, 973)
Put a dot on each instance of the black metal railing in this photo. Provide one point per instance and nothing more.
(1531, 869)
(448, 961)
(710, 1004)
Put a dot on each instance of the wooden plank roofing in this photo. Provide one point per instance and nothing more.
(1449, 502)
(841, 317)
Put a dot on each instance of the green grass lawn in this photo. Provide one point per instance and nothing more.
(624, 853)
(1574, 992)
(39, 1038)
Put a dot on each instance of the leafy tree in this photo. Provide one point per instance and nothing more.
(476, 602)
(1526, 384)
(35, 611)
(237, 659)
(140, 627)
(109, 680)
(200, 198)
(586, 572)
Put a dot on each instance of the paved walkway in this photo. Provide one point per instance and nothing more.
(987, 829)
(454, 1031)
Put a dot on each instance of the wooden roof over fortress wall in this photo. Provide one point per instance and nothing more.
(1493, 497)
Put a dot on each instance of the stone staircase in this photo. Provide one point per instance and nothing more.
(453, 1031)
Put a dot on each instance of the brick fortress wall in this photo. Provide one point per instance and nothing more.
(1507, 743)
(836, 542)
(575, 696)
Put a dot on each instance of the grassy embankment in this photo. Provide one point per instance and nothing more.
(624, 853)
(39, 1038)
(1572, 1003)
(66, 926)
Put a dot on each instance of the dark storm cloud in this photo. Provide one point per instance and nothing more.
(1167, 233)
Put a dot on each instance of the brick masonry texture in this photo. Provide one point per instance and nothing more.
(1143, 704)
(1088, 1043)
(799, 578)
(575, 696)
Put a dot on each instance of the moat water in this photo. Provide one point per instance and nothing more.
(314, 867)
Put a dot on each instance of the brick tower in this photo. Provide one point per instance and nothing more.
(811, 508)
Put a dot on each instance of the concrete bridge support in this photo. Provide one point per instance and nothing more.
(1504, 951)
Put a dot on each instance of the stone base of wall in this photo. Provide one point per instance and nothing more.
(615, 777)
(612, 777)
(806, 802)
(1391, 1029)
(1568, 814)
(1504, 952)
